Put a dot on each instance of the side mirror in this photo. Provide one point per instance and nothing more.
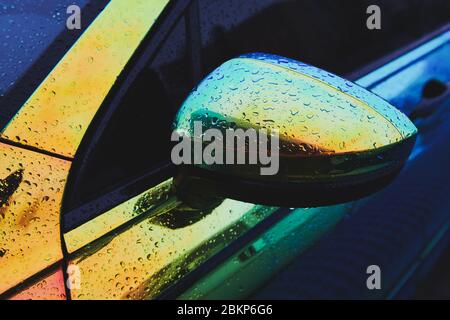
(337, 142)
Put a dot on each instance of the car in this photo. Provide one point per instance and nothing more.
(88, 209)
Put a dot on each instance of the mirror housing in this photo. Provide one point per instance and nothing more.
(337, 141)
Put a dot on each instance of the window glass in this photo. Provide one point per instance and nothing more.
(325, 33)
(172, 66)
(149, 256)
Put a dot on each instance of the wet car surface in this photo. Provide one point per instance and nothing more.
(82, 188)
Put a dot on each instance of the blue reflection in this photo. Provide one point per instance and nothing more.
(27, 29)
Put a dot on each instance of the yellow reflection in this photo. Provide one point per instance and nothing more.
(58, 113)
(50, 288)
(117, 216)
(138, 263)
(31, 188)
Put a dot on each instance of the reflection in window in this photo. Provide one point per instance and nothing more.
(143, 260)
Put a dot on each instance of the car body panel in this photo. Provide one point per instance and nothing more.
(59, 112)
(41, 140)
(32, 189)
(50, 287)
(44, 22)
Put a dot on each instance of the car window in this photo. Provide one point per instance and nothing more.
(172, 66)
(33, 38)
(150, 256)
(295, 29)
